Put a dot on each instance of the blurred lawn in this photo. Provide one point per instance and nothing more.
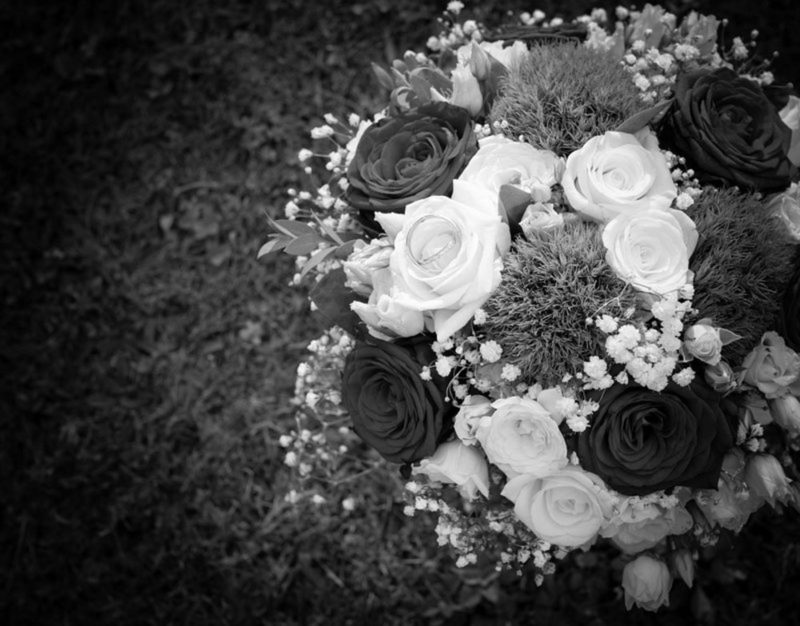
(148, 359)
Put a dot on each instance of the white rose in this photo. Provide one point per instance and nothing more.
(703, 342)
(618, 173)
(539, 217)
(448, 255)
(385, 317)
(790, 114)
(455, 463)
(521, 437)
(567, 508)
(469, 416)
(501, 161)
(363, 262)
(647, 583)
(650, 249)
(786, 207)
(647, 528)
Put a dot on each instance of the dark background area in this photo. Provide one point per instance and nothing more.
(147, 360)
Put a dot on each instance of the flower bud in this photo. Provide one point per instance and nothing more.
(455, 463)
(539, 217)
(766, 478)
(479, 62)
(786, 412)
(466, 91)
(794, 497)
(469, 416)
(704, 343)
(385, 317)
(363, 262)
(720, 377)
(684, 565)
(647, 583)
(790, 115)
(786, 206)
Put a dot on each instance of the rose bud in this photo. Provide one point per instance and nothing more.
(786, 412)
(703, 342)
(466, 91)
(766, 478)
(469, 416)
(363, 262)
(790, 115)
(684, 565)
(647, 583)
(772, 367)
(720, 377)
(453, 462)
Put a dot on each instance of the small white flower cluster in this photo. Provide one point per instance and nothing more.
(655, 47)
(326, 201)
(574, 411)
(653, 72)
(472, 361)
(318, 378)
(649, 353)
(688, 186)
(457, 529)
(454, 34)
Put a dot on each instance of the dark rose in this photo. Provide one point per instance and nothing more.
(789, 321)
(640, 441)
(410, 156)
(393, 410)
(729, 131)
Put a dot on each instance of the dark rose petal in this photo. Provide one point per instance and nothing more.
(728, 130)
(641, 441)
(393, 410)
(409, 157)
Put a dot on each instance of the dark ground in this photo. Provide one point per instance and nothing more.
(148, 359)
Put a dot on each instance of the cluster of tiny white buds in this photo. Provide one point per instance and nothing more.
(530, 19)
(491, 351)
(322, 132)
(510, 372)
(455, 7)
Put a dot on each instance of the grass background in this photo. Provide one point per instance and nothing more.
(148, 359)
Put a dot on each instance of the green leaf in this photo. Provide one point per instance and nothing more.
(641, 119)
(514, 201)
(318, 257)
(435, 78)
(421, 87)
(329, 231)
(333, 300)
(384, 79)
(273, 245)
(292, 228)
(303, 245)
(343, 251)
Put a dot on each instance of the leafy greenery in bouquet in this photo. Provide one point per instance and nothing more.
(562, 277)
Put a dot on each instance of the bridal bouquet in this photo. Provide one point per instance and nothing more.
(562, 276)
